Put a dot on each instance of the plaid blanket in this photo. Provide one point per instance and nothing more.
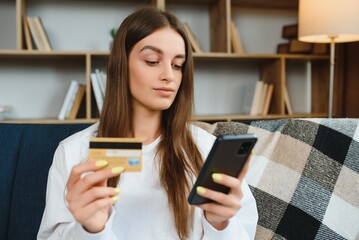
(305, 177)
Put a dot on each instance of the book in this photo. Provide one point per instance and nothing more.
(28, 40)
(267, 99)
(97, 91)
(320, 48)
(290, 31)
(294, 46)
(71, 102)
(80, 95)
(81, 113)
(34, 33)
(262, 98)
(287, 101)
(43, 35)
(71, 91)
(236, 40)
(38, 33)
(103, 78)
(101, 82)
(283, 48)
(256, 98)
(194, 43)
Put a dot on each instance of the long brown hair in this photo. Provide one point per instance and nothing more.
(178, 155)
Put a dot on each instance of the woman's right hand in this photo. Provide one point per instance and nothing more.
(88, 197)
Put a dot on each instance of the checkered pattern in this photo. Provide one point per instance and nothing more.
(305, 177)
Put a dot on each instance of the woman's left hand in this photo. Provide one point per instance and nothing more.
(224, 206)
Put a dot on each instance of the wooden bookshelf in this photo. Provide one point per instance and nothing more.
(270, 67)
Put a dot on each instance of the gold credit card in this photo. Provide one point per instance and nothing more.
(119, 152)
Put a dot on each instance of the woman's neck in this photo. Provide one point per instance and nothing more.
(147, 126)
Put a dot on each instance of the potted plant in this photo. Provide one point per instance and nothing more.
(113, 34)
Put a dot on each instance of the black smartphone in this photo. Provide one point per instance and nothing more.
(228, 155)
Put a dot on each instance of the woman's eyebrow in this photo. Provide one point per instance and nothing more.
(159, 51)
(155, 49)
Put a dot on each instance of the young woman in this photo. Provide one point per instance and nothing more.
(149, 95)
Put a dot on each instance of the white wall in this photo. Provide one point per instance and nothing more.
(36, 88)
(224, 87)
(261, 29)
(80, 25)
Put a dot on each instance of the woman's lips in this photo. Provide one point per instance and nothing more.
(164, 91)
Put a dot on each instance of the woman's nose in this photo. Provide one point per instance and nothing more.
(167, 72)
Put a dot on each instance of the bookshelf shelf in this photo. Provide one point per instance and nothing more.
(204, 55)
(213, 55)
(214, 118)
(215, 67)
(50, 121)
(277, 4)
(209, 118)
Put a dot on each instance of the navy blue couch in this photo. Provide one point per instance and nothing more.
(26, 152)
(304, 175)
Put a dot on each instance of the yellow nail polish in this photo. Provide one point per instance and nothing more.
(217, 176)
(101, 163)
(115, 198)
(117, 170)
(117, 190)
(201, 190)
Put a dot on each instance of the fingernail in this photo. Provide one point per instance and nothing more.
(117, 170)
(117, 190)
(115, 198)
(201, 190)
(217, 176)
(101, 163)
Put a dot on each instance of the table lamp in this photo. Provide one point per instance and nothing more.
(328, 21)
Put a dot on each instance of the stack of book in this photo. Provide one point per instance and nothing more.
(74, 102)
(98, 82)
(293, 45)
(261, 98)
(35, 34)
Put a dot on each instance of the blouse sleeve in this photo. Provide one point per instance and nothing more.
(57, 221)
(241, 226)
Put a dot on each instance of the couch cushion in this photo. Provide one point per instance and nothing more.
(305, 177)
(37, 147)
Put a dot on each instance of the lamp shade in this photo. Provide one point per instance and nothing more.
(320, 21)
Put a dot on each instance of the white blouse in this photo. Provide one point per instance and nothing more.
(142, 211)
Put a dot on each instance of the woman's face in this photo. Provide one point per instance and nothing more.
(155, 69)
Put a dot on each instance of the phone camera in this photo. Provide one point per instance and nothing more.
(244, 148)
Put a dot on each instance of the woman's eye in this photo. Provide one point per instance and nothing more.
(152, 63)
(177, 67)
